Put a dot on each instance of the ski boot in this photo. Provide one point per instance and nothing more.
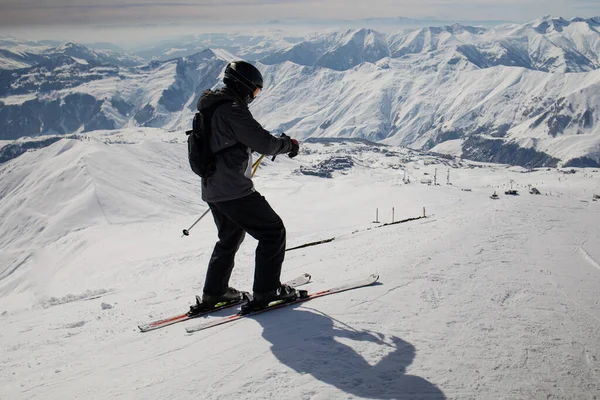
(209, 302)
(261, 300)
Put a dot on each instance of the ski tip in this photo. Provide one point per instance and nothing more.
(307, 276)
(375, 277)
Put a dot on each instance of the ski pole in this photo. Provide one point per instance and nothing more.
(186, 232)
(256, 165)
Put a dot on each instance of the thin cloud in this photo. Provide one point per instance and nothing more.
(14, 13)
(23, 5)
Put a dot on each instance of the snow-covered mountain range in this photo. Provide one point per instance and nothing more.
(251, 46)
(18, 54)
(66, 94)
(519, 94)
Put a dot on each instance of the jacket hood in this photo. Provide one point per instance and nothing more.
(210, 97)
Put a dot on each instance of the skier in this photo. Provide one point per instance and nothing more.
(236, 206)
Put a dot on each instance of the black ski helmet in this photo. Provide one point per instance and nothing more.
(244, 77)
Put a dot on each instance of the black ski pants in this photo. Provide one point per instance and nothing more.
(234, 218)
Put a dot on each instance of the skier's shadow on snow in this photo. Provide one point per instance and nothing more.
(306, 342)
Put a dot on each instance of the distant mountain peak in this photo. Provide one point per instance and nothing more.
(71, 45)
(594, 20)
(457, 28)
(549, 24)
(206, 54)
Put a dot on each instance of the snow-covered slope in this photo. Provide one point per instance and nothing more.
(483, 299)
(77, 185)
(100, 56)
(433, 38)
(335, 50)
(14, 59)
(26, 46)
(16, 54)
(250, 45)
(65, 95)
(419, 102)
(558, 44)
(547, 44)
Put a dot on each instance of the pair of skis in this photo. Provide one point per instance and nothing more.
(301, 280)
(161, 323)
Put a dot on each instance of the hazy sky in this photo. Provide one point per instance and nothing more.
(84, 16)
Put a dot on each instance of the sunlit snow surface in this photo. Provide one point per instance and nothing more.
(484, 299)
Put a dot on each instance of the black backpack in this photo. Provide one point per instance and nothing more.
(202, 159)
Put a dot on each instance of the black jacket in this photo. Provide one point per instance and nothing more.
(235, 134)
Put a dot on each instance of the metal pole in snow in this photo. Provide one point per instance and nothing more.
(393, 215)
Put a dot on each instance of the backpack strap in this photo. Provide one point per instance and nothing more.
(207, 115)
(208, 112)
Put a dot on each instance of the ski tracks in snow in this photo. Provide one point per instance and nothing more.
(587, 257)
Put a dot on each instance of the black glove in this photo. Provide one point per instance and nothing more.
(295, 146)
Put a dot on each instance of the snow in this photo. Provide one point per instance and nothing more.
(23, 46)
(78, 51)
(225, 55)
(173, 50)
(80, 60)
(8, 64)
(338, 50)
(483, 299)
(452, 147)
(146, 88)
(409, 103)
(18, 99)
(250, 44)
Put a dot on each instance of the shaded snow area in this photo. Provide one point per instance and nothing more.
(483, 299)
